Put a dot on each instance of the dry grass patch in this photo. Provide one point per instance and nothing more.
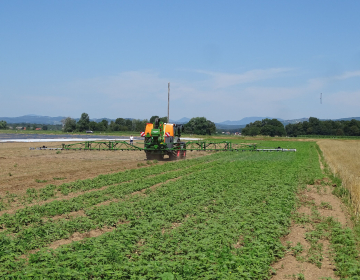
(343, 158)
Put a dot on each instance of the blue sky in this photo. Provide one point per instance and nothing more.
(225, 60)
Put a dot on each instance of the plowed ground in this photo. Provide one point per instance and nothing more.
(21, 168)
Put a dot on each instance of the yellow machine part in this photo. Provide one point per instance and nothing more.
(149, 127)
(169, 128)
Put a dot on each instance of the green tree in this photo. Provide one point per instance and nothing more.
(128, 124)
(93, 126)
(104, 124)
(201, 126)
(252, 129)
(83, 123)
(120, 121)
(69, 124)
(152, 119)
(164, 119)
(3, 124)
(268, 127)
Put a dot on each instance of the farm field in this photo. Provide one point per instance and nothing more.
(21, 168)
(220, 216)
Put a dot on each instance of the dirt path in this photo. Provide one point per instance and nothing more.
(306, 260)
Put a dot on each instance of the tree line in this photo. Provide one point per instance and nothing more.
(120, 124)
(328, 127)
(30, 126)
(267, 127)
(314, 126)
(199, 125)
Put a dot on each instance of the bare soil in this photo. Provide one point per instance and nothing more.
(291, 267)
(21, 168)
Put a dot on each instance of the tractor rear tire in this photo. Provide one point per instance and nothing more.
(174, 155)
(149, 156)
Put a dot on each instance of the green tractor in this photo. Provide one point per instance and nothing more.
(164, 139)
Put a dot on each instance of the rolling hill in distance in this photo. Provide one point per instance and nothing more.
(222, 125)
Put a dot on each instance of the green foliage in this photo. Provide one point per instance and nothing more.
(328, 127)
(200, 126)
(265, 127)
(152, 119)
(69, 124)
(3, 125)
(59, 178)
(40, 181)
(120, 124)
(83, 123)
(298, 249)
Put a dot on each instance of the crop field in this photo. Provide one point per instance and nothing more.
(220, 216)
(343, 158)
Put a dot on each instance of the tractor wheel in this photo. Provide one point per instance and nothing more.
(174, 155)
(149, 156)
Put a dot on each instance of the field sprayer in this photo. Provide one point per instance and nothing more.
(162, 139)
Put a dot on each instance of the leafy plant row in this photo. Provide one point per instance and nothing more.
(109, 179)
(35, 213)
(40, 234)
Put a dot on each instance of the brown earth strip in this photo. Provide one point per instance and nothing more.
(294, 264)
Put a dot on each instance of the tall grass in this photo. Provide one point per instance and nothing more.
(343, 158)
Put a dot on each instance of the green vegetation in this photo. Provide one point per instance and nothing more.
(120, 124)
(264, 127)
(220, 216)
(200, 126)
(317, 127)
(3, 125)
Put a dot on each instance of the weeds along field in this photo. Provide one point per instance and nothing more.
(220, 216)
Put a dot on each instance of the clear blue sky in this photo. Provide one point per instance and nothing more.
(225, 60)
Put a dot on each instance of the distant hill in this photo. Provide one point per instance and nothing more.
(348, 119)
(246, 120)
(181, 121)
(228, 126)
(44, 119)
(33, 119)
(222, 125)
(286, 122)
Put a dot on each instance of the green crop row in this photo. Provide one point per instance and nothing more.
(39, 234)
(35, 213)
(109, 179)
